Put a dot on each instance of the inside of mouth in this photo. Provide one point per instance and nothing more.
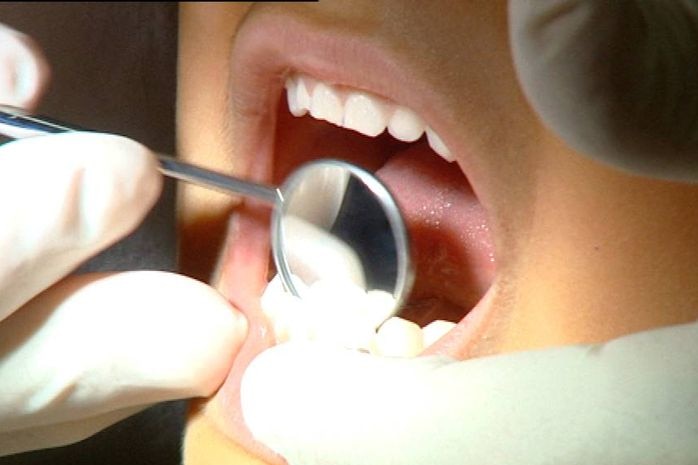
(451, 245)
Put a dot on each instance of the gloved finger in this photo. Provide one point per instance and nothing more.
(631, 400)
(63, 198)
(60, 434)
(24, 71)
(617, 81)
(98, 343)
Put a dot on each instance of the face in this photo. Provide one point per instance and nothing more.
(521, 241)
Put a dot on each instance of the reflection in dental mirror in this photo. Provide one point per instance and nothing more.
(314, 254)
(339, 227)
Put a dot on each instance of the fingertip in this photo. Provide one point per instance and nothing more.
(156, 335)
(215, 330)
(199, 332)
(24, 71)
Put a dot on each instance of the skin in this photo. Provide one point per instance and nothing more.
(585, 252)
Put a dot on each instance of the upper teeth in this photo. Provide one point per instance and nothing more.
(361, 111)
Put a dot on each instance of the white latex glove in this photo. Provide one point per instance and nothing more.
(84, 353)
(633, 400)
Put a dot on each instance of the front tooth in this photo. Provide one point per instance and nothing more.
(380, 305)
(405, 125)
(273, 295)
(302, 93)
(337, 309)
(365, 113)
(335, 299)
(297, 96)
(326, 104)
(399, 338)
(276, 287)
(352, 334)
(436, 143)
(301, 326)
(436, 330)
(285, 311)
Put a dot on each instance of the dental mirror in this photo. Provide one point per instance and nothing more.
(357, 232)
(331, 220)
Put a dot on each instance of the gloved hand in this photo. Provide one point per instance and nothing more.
(84, 353)
(81, 353)
(632, 400)
(618, 81)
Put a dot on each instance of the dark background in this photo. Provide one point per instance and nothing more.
(114, 70)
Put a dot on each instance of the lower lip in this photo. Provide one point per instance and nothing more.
(242, 281)
(457, 342)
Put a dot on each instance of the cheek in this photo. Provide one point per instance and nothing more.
(205, 32)
(468, 58)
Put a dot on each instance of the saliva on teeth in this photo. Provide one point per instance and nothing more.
(341, 313)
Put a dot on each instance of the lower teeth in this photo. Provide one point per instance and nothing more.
(341, 313)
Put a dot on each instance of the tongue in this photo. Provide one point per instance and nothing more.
(451, 244)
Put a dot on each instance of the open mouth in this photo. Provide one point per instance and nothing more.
(299, 95)
(451, 241)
